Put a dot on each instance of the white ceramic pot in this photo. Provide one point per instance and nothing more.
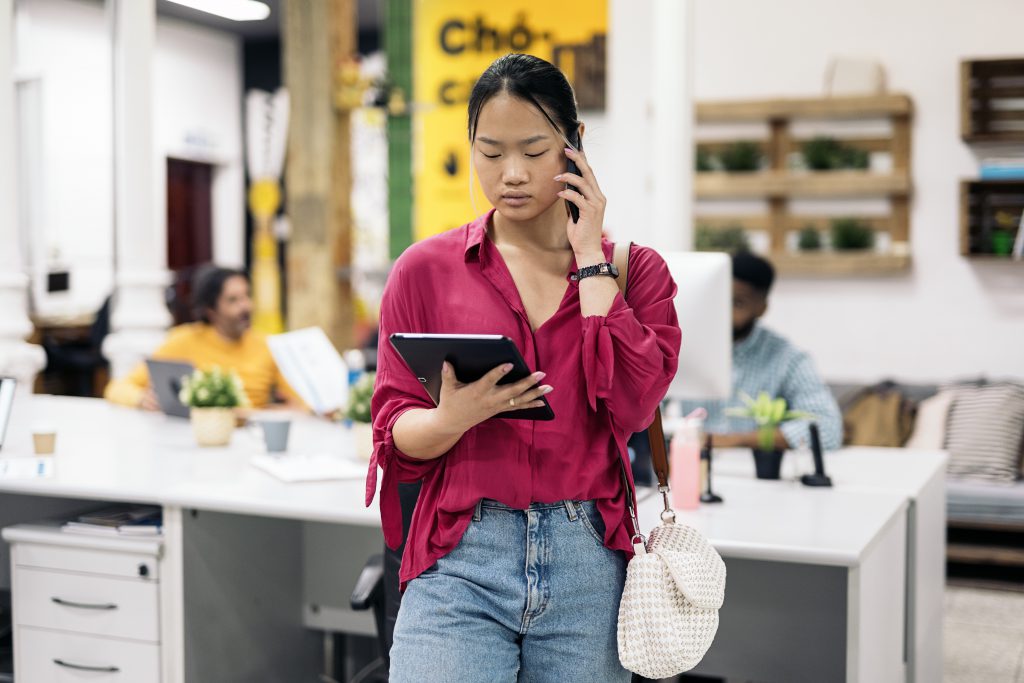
(213, 426)
(362, 439)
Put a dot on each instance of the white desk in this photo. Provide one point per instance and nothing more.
(919, 475)
(243, 550)
(815, 588)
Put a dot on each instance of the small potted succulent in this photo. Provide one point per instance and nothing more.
(828, 154)
(768, 414)
(851, 234)
(357, 414)
(741, 157)
(213, 396)
(809, 239)
(729, 239)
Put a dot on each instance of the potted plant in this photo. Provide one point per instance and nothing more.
(703, 161)
(825, 153)
(358, 415)
(810, 239)
(851, 234)
(730, 239)
(212, 396)
(1002, 242)
(741, 157)
(768, 414)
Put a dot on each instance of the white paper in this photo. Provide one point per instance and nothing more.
(317, 467)
(313, 367)
(27, 467)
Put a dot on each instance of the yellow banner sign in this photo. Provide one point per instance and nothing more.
(454, 41)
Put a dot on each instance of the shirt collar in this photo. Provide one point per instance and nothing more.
(475, 234)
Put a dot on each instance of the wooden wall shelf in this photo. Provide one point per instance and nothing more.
(988, 207)
(779, 184)
(878, 106)
(988, 88)
(839, 263)
(838, 184)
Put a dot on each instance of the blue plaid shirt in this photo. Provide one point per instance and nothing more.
(765, 361)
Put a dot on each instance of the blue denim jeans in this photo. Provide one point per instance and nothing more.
(527, 595)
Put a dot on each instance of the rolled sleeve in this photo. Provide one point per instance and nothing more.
(395, 391)
(804, 390)
(631, 354)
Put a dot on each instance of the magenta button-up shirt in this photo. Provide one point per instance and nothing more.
(609, 373)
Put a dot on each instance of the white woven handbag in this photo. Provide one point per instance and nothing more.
(675, 583)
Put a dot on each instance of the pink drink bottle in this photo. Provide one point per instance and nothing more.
(684, 464)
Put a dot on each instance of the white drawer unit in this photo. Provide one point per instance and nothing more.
(44, 656)
(123, 608)
(85, 607)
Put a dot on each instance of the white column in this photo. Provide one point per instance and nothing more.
(17, 358)
(673, 123)
(140, 315)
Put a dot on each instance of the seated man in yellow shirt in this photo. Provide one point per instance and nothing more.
(224, 337)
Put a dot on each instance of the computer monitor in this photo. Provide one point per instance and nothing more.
(704, 306)
(7, 386)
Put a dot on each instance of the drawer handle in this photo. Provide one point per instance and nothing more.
(82, 667)
(82, 605)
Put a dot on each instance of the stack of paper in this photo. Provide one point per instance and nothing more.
(118, 520)
(317, 467)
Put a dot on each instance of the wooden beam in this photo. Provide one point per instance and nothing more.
(318, 35)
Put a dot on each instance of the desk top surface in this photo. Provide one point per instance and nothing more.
(856, 467)
(106, 452)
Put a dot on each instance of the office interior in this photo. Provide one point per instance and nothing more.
(873, 152)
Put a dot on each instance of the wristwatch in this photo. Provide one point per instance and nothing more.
(607, 269)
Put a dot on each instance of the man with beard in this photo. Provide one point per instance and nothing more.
(763, 360)
(222, 337)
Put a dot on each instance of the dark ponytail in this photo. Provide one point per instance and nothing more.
(530, 79)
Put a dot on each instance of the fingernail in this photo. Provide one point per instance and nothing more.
(569, 150)
(539, 375)
(546, 389)
(507, 367)
(558, 177)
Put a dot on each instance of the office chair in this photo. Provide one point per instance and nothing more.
(377, 588)
(79, 361)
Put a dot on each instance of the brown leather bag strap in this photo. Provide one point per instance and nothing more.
(655, 434)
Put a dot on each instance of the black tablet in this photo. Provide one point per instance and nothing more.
(472, 356)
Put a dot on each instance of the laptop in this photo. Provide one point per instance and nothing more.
(7, 386)
(165, 376)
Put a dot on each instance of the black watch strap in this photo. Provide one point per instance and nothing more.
(606, 269)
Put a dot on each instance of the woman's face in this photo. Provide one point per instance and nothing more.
(517, 154)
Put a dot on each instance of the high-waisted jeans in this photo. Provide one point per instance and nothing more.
(527, 595)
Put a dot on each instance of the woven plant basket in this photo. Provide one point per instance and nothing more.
(213, 426)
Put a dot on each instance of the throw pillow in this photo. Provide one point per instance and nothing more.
(930, 423)
(983, 433)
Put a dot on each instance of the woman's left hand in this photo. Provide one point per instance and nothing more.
(584, 235)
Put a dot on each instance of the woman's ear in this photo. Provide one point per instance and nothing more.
(580, 139)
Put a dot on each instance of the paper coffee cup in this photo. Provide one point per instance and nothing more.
(44, 438)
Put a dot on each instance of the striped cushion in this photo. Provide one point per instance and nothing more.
(983, 435)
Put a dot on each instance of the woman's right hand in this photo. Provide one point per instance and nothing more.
(463, 406)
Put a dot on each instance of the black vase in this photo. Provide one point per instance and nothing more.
(767, 464)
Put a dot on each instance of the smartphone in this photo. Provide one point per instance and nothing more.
(574, 211)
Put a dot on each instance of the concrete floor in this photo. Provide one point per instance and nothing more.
(984, 636)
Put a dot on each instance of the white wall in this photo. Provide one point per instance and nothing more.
(63, 54)
(63, 51)
(198, 116)
(949, 317)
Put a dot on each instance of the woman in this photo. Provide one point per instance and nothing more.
(516, 554)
